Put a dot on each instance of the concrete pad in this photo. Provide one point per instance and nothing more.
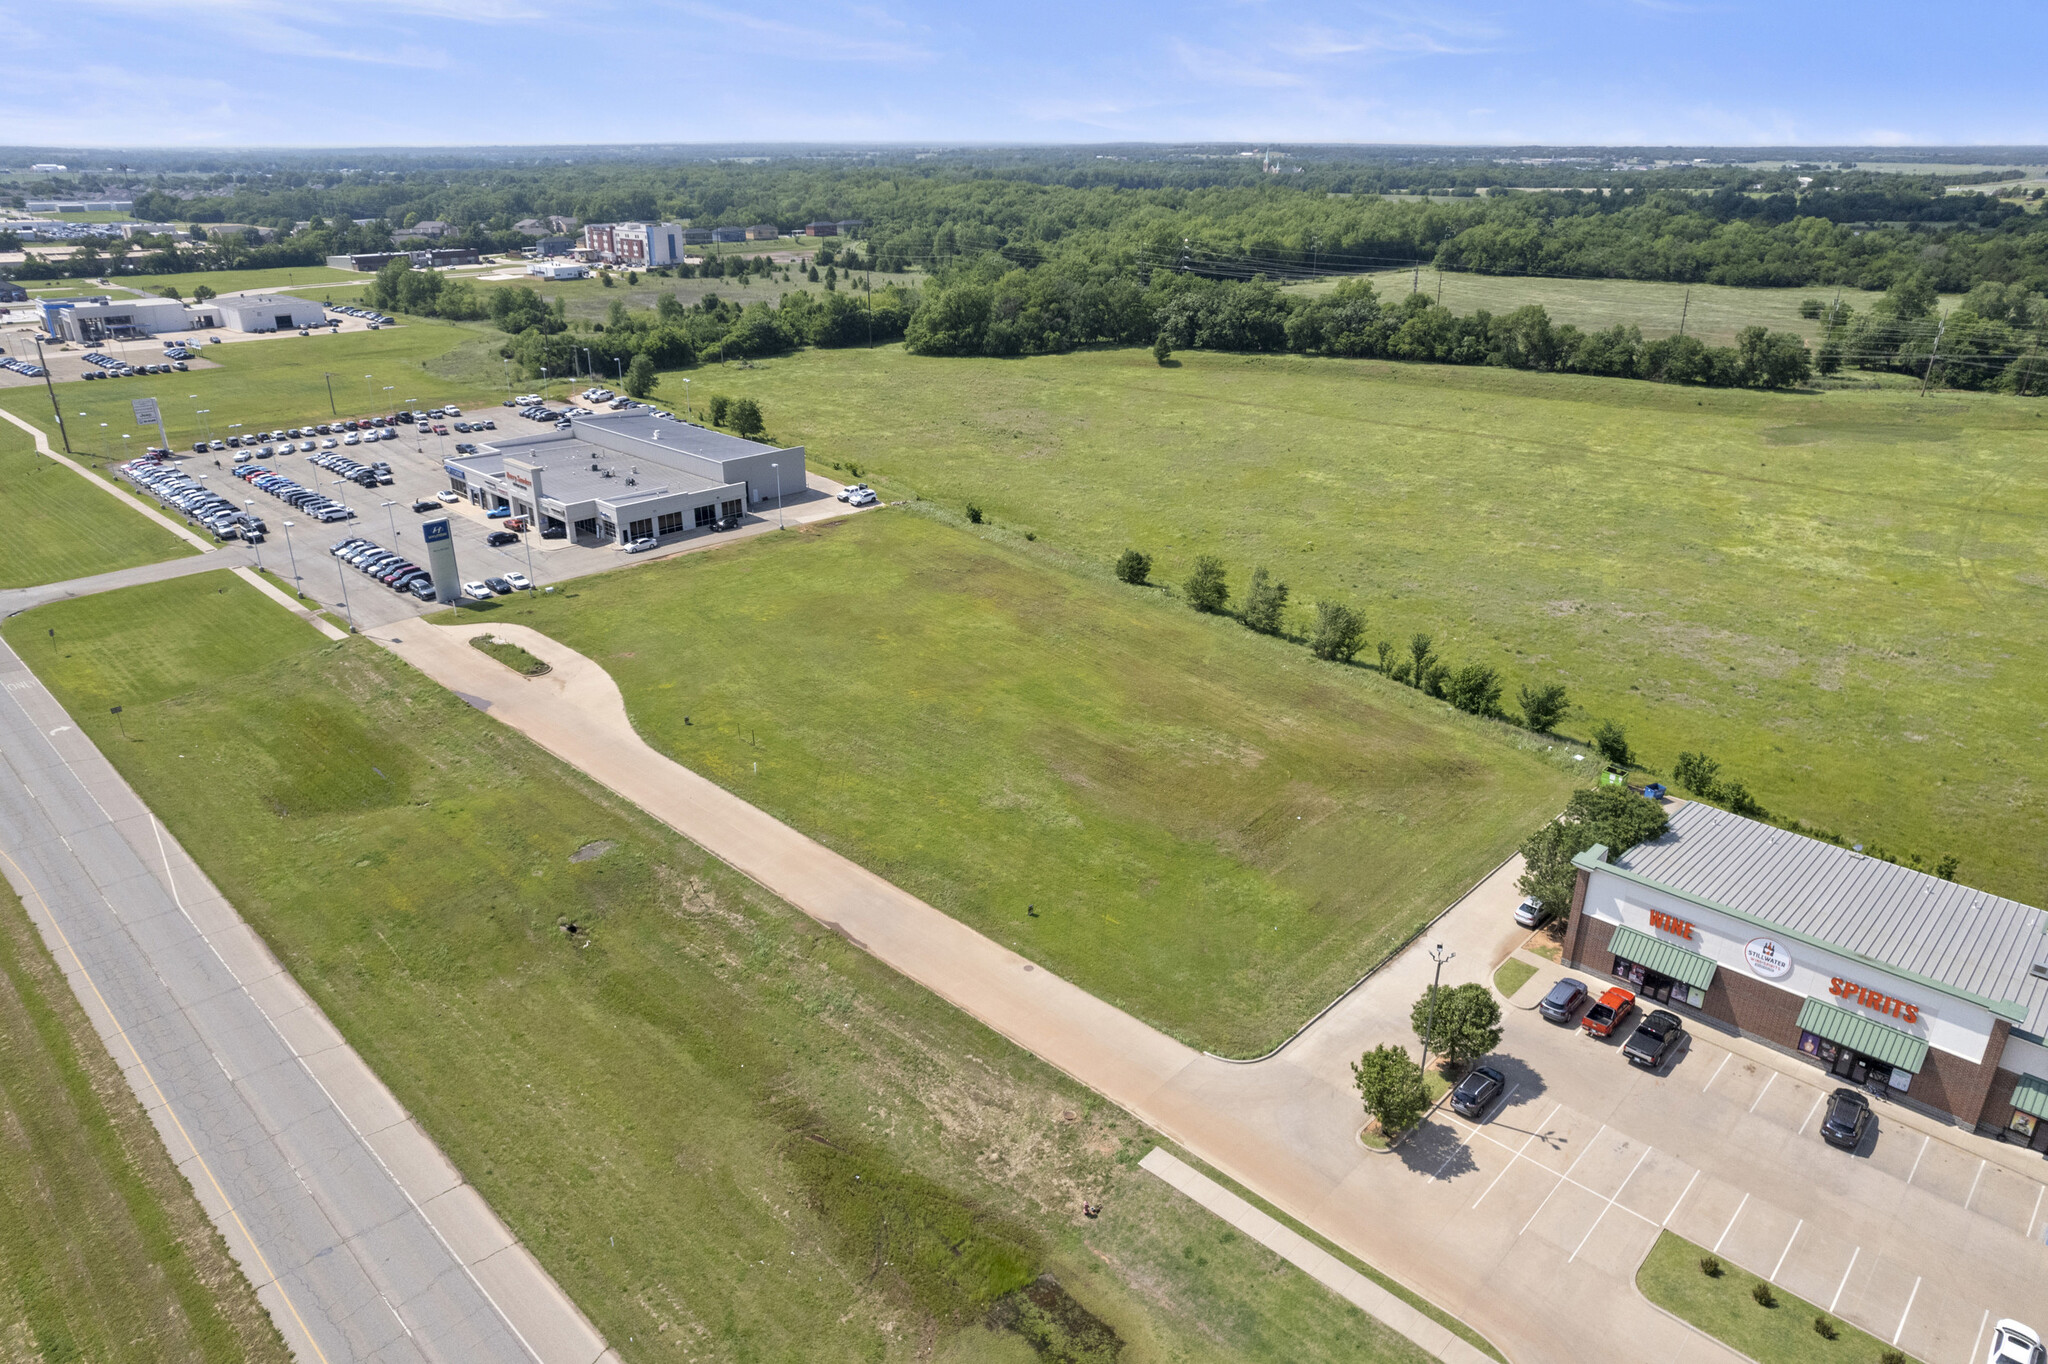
(2009, 1199)
(1656, 1186)
(538, 1309)
(1739, 1081)
(462, 1216)
(1563, 1219)
(1559, 1142)
(1947, 1173)
(1942, 1325)
(1876, 1294)
(1759, 1237)
(1789, 1103)
(1617, 1244)
(1607, 1161)
(1815, 1266)
(1896, 1150)
(1708, 1210)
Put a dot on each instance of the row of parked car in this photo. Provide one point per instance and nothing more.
(377, 473)
(176, 489)
(375, 319)
(386, 566)
(112, 367)
(28, 367)
(317, 505)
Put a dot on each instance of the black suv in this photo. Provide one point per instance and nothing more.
(1655, 1039)
(1848, 1119)
(1477, 1091)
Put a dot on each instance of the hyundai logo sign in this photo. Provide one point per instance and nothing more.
(436, 530)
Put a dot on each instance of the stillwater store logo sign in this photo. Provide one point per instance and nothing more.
(1768, 958)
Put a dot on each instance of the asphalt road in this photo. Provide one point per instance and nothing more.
(363, 1243)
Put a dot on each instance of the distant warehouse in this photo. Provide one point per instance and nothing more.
(428, 258)
(267, 312)
(619, 477)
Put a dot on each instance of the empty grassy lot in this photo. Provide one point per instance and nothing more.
(1843, 597)
(669, 1104)
(104, 1253)
(59, 526)
(238, 281)
(1216, 831)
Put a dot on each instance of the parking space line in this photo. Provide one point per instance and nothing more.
(1610, 1203)
(1502, 1108)
(1924, 1141)
(1801, 1130)
(1973, 1184)
(1681, 1198)
(1908, 1312)
(1787, 1250)
(1562, 1180)
(1525, 1146)
(1981, 1323)
(1731, 1223)
(1768, 1082)
(1717, 1072)
(2036, 1215)
(1845, 1281)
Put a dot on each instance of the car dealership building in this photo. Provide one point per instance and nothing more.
(618, 477)
(1880, 975)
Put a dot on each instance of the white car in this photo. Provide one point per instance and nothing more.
(528, 399)
(846, 493)
(449, 495)
(328, 443)
(452, 411)
(352, 439)
(1529, 913)
(642, 545)
(2012, 1343)
(477, 590)
(864, 497)
(518, 581)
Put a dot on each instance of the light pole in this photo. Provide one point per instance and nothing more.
(543, 383)
(294, 554)
(341, 576)
(336, 483)
(527, 540)
(370, 394)
(686, 399)
(779, 525)
(1439, 956)
(56, 411)
(206, 412)
(250, 502)
(330, 393)
(392, 516)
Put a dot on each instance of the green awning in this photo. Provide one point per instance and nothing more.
(1662, 957)
(1864, 1035)
(2030, 1095)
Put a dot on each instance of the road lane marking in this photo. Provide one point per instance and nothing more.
(1981, 1321)
(1801, 1130)
(1845, 1281)
(1908, 1312)
(1681, 1198)
(1916, 1160)
(1731, 1223)
(1525, 1146)
(1610, 1203)
(1562, 1180)
(1717, 1072)
(1761, 1092)
(1973, 1184)
(1787, 1250)
(2035, 1215)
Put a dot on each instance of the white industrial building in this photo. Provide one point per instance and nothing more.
(559, 269)
(90, 320)
(265, 313)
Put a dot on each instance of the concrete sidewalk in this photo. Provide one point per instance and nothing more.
(135, 503)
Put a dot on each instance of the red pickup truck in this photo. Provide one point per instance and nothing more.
(1610, 1013)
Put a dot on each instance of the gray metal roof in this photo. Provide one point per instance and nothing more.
(1951, 936)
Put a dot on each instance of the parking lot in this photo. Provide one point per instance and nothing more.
(66, 361)
(384, 516)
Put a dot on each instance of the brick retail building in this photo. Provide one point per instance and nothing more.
(1932, 993)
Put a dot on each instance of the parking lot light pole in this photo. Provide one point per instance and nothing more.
(294, 558)
(779, 523)
(686, 399)
(341, 576)
(336, 483)
(393, 517)
(1439, 956)
(43, 364)
(251, 502)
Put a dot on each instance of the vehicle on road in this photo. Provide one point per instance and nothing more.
(1530, 913)
(1656, 1037)
(1477, 1091)
(2015, 1343)
(1561, 1005)
(1610, 1013)
(642, 545)
(1847, 1120)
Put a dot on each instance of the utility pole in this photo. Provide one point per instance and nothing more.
(1683, 310)
(331, 408)
(1439, 956)
(1931, 354)
(55, 410)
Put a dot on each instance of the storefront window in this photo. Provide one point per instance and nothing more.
(1657, 986)
(2022, 1125)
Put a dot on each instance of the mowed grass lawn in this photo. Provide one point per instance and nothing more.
(238, 281)
(1670, 1276)
(104, 1253)
(669, 1105)
(58, 526)
(1217, 831)
(1844, 598)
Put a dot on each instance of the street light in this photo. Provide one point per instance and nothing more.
(250, 502)
(336, 483)
(686, 398)
(1439, 956)
(202, 412)
(341, 576)
(294, 558)
(778, 496)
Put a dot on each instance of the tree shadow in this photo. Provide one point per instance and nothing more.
(1441, 1148)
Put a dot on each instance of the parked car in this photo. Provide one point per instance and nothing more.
(518, 581)
(477, 590)
(497, 539)
(1561, 1005)
(517, 523)
(1610, 1013)
(1847, 1120)
(554, 530)
(1477, 1091)
(426, 504)
(864, 498)
(1656, 1037)
(642, 545)
(448, 495)
(1530, 913)
(2014, 1343)
(850, 489)
(498, 513)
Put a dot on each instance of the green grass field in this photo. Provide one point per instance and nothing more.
(104, 1253)
(236, 281)
(1670, 1276)
(1218, 832)
(1712, 312)
(60, 527)
(1839, 596)
(667, 1105)
(1512, 975)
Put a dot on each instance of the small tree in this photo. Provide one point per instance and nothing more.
(1474, 688)
(641, 379)
(973, 515)
(1611, 740)
(632, 277)
(718, 405)
(1466, 1026)
(1386, 650)
(1206, 589)
(1419, 650)
(1338, 633)
(1264, 603)
(1134, 567)
(606, 277)
(1161, 351)
(1697, 774)
(1391, 1085)
(1544, 706)
(201, 293)
(746, 417)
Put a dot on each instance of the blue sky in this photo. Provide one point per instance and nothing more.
(441, 72)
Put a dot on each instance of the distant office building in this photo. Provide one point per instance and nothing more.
(821, 229)
(80, 205)
(765, 232)
(553, 269)
(432, 227)
(89, 320)
(728, 234)
(849, 226)
(554, 246)
(430, 258)
(696, 236)
(635, 244)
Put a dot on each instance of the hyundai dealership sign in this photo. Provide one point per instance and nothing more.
(441, 560)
